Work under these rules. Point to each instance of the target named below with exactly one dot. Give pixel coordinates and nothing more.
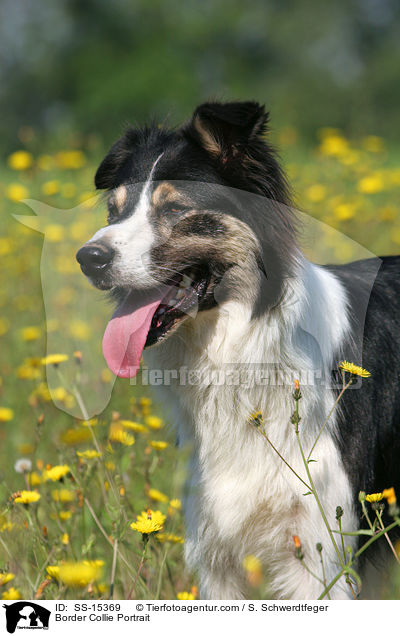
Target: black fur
(369, 424)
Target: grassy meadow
(90, 507)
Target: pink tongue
(126, 333)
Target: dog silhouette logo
(26, 615)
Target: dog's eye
(113, 211)
(174, 209)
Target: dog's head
(196, 216)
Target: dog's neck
(304, 331)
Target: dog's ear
(115, 160)
(226, 129)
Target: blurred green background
(92, 66)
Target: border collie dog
(201, 256)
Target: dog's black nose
(95, 258)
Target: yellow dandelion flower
(16, 192)
(56, 473)
(344, 211)
(153, 422)
(372, 143)
(68, 190)
(51, 187)
(175, 504)
(88, 454)
(79, 574)
(256, 418)
(169, 538)
(27, 497)
(63, 495)
(6, 414)
(53, 571)
(145, 401)
(26, 448)
(70, 159)
(185, 596)
(4, 326)
(65, 515)
(149, 521)
(20, 160)
(354, 369)
(134, 426)
(334, 145)
(54, 358)
(6, 246)
(158, 445)
(65, 538)
(25, 372)
(371, 184)
(11, 595)
(157, 495)
(74, 436)
(106, 376)
(5, 524)
(253, 569)
(34, 479)
(89, 423)
(45, 162)
(390, 495)
(31, 333)
(120, 436)
(6, 577)
(251, 563)
(54, 233)
(79, 330)
(316, 193)
(374, 497)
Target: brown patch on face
(167, 193)
(117, 201)
(120, 197)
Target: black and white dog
(201, 254)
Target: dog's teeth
(186, 281)
(179, 294)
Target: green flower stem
(75, 391)
(345, 387)
(366, 515)
(142, 560)
(113, 567)
(356, 555)
(284, 460)
(323, 573)
(379, 515)
(312, 573)
(342, 539)
(314, 492)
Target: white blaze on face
(132, 240)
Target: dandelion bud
(78, 356)
(296, 392)
(319, 547)
(297, 544)
(389, 495)
(339, 512)
(361, 496)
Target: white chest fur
(241, 498)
